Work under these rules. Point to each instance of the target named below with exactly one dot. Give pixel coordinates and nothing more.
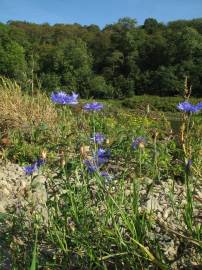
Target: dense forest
(120, 60)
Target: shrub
(99, 87)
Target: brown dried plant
(19, 110)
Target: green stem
(140, 162)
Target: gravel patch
(165, 201)
(21, 191)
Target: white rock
(153, 204)
(166, 213)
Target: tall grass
(19, 110)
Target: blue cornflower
(94, 106)
(98, 138)
(59, 97)
(102, 156)
(64, 99)
(188, 107)
(138, 142)
(199, 106)
(102, 153)
(40, 162)
(29, 170)
(90, 166)
(72, 99)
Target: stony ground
(167, 200)
(164, 201)
(19, 190)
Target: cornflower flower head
(64, 99)
(98, 138)
(188, 107)
(102, 156)
(29, 170)
(91, 167)
(94, 106)
(103, 153)
(72, 99)
(199, 105)
(40, 162)
(99, 158)
(138, 142)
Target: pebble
(166, 213)
(153, 204)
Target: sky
(99, 12)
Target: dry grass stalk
(19, 110)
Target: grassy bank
(163, 104)
(141, 200)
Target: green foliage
(151, 25)
(67, 65)
(165, 82)
(99, 87)
(164, 104)
(12, 60)
(150, 59)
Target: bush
(100, 88)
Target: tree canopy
(120, 60)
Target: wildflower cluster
(102, 155)
(99, 158)
(188, 107)
(65, 99)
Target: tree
(165, 82)
(99, 87)
(153, 52)
(120, 60)
(151, 26)
(12, 60)
(71, 62)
